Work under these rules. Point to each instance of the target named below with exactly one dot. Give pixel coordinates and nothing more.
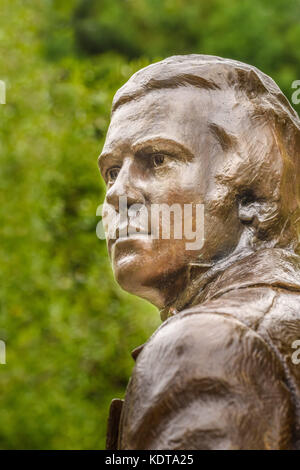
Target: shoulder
(192, 344)
(201, 372)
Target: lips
(128, 232)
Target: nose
(128, 183)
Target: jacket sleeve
(206, 381)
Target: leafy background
(68, 327)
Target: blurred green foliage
(68, 327)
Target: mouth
(128, 233)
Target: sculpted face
(163, 148)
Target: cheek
(167, 256)
(176, 188)
(221, 233)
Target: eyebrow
(103, 157)
(154, 143)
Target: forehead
(182, 114)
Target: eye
(112, 174)
(158, 159)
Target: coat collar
(268, 267)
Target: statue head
(203, 131)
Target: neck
(199, 274)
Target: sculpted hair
(266, 180)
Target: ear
(259, 213)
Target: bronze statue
(218, 373)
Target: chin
(132, 258)
(130, 271)
(142, 267)
(133, 278)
